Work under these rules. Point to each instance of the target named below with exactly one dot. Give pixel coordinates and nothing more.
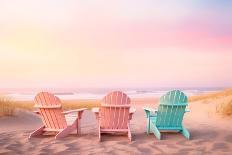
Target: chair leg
(148, 125)
(156, 132)
(78, 126)
(99, 133)
(129, 134)
(64, 132)
(185, 133)
(39, 131)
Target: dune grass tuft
(223, 100)
(224, 106)
(7, 107)
(26, 105)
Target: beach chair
(169, 115)
(114, 114)
(53, 117)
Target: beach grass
(224, 106)
(214, 95)
(222, 99)
(6, 106)
(75, 104)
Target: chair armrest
(75, 110)
(78, 111)
(150, 109)
(36, 111)
(95, 110)
(131, 112)
(150, 112)
(187, 110)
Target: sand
(210, 134)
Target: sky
(126, 43)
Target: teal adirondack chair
(169, 115)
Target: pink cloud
(144, 34)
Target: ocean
(100, 93)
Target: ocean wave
(130, 93)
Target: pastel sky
(126, 43)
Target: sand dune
(210, 134)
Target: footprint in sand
(220, 147)
(228, 138)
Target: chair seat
(154, 119)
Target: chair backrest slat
(52, 117)
(114, 112)
(171, 109)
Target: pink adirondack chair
(114, 114)
(53, 116)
